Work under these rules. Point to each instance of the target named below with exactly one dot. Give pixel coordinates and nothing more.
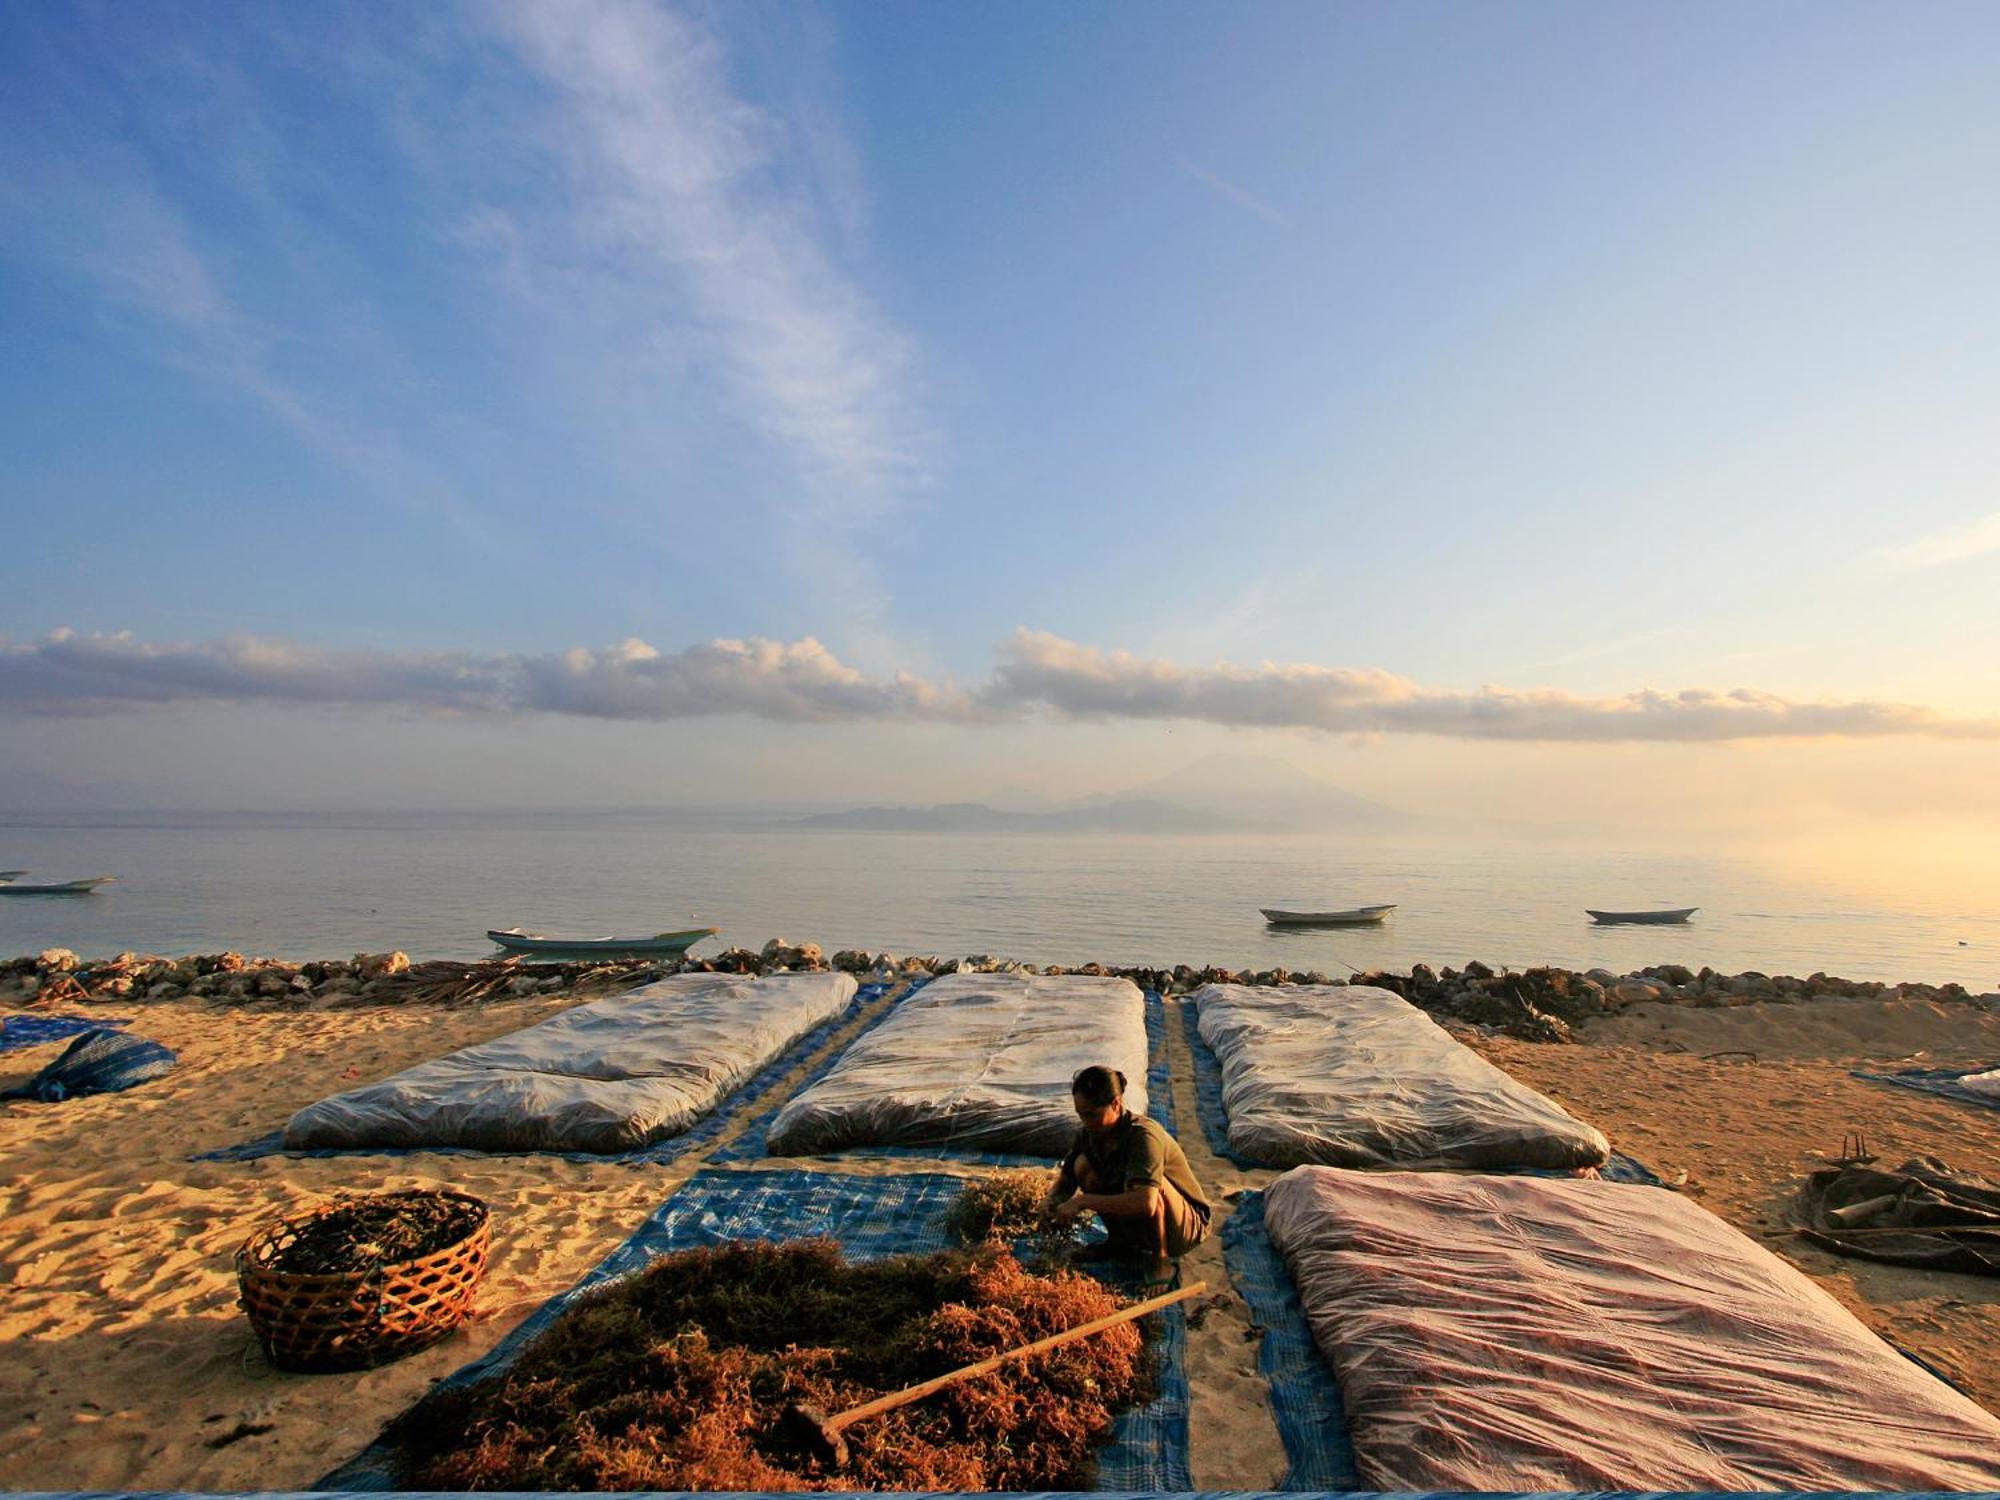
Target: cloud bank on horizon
(68, 674)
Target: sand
(132, 1367)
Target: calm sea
(330, 886)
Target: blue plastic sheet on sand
(1215, 1124)
(1305, 1398)
(97, 1062)
(1943, 1082)
(658, 1153)
(754, 1143)
(17, 1032)
(870, 1217)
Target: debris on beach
(679, 1378)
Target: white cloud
(65, 673)
(1038, 670)
(1981, 537)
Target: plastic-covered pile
(610, 1076)
(1354, 1076)
(98, 1062)
(1562, 1334)
(982, 1061)
(1987, 1083)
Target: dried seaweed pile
(384, 1230)
(677, 1379)
(1007, 1206)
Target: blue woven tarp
(870, 1217)
(17, 1032)
(1305, 1398)
(754, 1144)
(1943, 1082)
(660, 1152)
(97, 1062)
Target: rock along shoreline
(1539, 1004)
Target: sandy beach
(132, 1366)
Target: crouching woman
(1127, 1170)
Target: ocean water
(333, 885)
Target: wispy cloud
(710, 227)
(65, 673)
(1976, 540)
(1242, 197)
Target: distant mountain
(1223, 794)
(1122, 816)
(1257, 791)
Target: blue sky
(1577, 350)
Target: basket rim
(246, 1267)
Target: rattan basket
(353, 1321)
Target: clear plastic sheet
(1354, 1076)
(976, 1060)
(606, 1077)
(1987, 1083)
(1545, 1334)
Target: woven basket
(355, 1320)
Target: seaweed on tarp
(1003, 1207)
(678, 1379)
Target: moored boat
(6, 875)
(1651, 918)
(1359, 916)
(55, 888)
(514, 940)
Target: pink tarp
(1520, 1333)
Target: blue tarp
(1305, 1398)
(98, 1062)
(1941, 1081)
(658, 1153)
(17, 1032)
(870, 1217)
(754, 1143)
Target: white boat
(56, 888)
(1359, 916)
(1649, 918)
(7, 875)
(514, 940)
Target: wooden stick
(894, 1399)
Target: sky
(1558, 411)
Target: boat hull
(1641, 918)
(59, 888)
(665, 944)
(1361, 916)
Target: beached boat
(1359, 916)
(514, 940)
(1654, 918)
(55, 888)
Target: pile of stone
(1539, 1004)
(57, 977)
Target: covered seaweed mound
(678, 1378)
